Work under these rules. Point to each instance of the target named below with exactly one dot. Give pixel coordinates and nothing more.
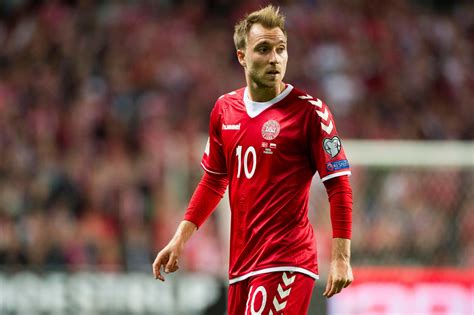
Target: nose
(273, 57)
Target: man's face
(265, 56)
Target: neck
(264, 94)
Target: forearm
(168, 256)
(184, 231)
(205, 198)
(207, 195)
(340, 273)
(340, 199)
(341, 249)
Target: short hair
(268, 17)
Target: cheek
(283, 61)
(255, 63)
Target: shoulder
(318, 113)
(226, 101)
(236, 95)
(307, 101)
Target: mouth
(274, 72)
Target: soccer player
(266, 141)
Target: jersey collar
(255, 108)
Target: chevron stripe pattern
(305, 97)
(322, 111)
(327, 128)
(317, 103)
(283, 292)
(324, 115)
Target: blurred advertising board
(95, 293)
(414, 291)
(375, 291)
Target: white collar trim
(255, 108)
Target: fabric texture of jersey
(270, 152)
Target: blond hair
(268, 17)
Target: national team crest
(270, 130)
(332, 146)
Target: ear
(241, 57)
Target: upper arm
(327, 153)
(213, 160)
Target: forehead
(258, 33)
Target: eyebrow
(266, 42)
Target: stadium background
(104, 108)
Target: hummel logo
(231, 127)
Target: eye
(262, 49)
(281, 49)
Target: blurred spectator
(103, 105)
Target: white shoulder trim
(230, 93)
(209, 171)
(274, 269)
(255, 108)
(348, 173)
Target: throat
(254, 108)
(265, 94)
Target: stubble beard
(261, 83)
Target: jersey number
(250, 151)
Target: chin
(274, 83)
(271, 82)
(268, 85)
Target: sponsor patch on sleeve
(337, 165)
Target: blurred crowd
(104, 105)
(405, 216)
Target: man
(266, 141)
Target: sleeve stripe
(209, 171)
(348, 173)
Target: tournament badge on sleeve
(332, 146)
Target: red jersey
(270, 151)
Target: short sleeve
(327, 153)
(213, 160)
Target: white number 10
(246, 158)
